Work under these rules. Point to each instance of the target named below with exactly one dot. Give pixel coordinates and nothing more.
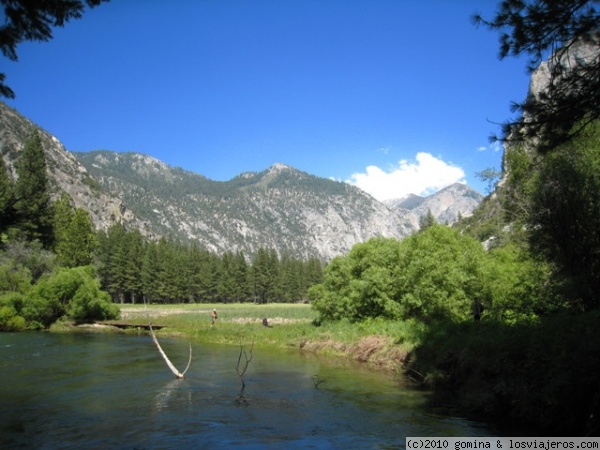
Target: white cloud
(495, 146)
(424, 176)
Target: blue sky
(395, 96)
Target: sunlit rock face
(279, 208)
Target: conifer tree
(196, 265)
(63, 214)
(149, 275)
(242, 278)
(426, 221)
(115, 262)
(132, 270)
(76, 245)
(33, 206)
(263, 280)
(7, 198)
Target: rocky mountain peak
(446, 205)
(281, 207)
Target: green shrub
(72, 293)
(14, 277)
(90, 303)
(437, 273)
(10, 309)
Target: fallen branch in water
(166, 358)
(176, 372)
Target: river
(104, 390)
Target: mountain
(280, 207)
(446, 205)
(65, 172)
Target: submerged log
(125, 325)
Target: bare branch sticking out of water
(241, 368)
(317, 381)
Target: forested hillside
(281, 207)
(55, 267)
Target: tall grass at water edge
(290, 325)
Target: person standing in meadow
(213, 317)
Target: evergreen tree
(63, 214)
(33, 206)
(7, 198)
(197, 265)
(265, 268)
(78, 246)
(225, 287)
(134, 250)
(149, 275)
(74, 234)
(426, 221)
(314, 272)
(116, 261)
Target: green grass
(291, 326)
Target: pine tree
(242, 278)
(134, 244)
(33, 206)
(63, 214)
(7, 198)
(66, 245)
(76, 245)
(116, 261)
(149, 273)
(426, 221)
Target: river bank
(540, 376)
(380, 344)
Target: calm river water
(92, 391)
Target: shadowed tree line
(132, 268)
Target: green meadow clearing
(382, 343)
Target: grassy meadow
(382, 343)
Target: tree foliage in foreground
(565, 215)
(27, 20)
(572, 100)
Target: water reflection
(114, 391)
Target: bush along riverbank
(541, 376)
